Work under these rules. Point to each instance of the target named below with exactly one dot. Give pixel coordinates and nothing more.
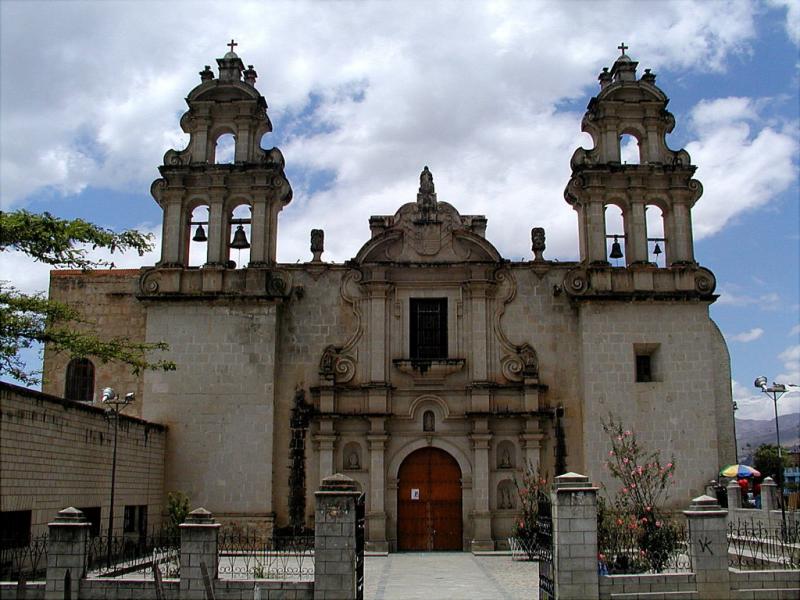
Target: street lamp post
(775, 391)
(115, 406)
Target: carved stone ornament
(530, 363)
(538, 243)
(335, 366)
(317, 244)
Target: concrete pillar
(574, 513)
(734, 495)
(481, 516)
(708, 548)
(769, 495)
(335, 539)
(66, 551)
(376, 515)
(199, 537)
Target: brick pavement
(449, 576)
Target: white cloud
(747, 336)
(743, 163)
(795, 330)
(791, 365)
(470, 90)
(753, 404)
(792, 17)
(731, 295)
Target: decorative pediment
(427, 231)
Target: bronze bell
(200, 235)
(657, 250)
(616, 249)
(240, 239)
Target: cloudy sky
(490, 95)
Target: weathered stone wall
(219, 404)
(675, 414)
(105, 299)
(56, 453)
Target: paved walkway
(449, 576)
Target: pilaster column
(708, 548)
(481, 516)
(171, 231)
(377, 329)
(216, 253)
(574, 514)
(596, 231)
(326, 442)
(636, 234)
(478, 330)
(259, 231)
(376, 512)
(531, 442)
(66, 552)
(680, 243)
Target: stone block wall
(677, 412)
(56, 453)
(106, 300)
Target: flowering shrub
(531, 491)
(634, 532)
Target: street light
(775, 391)
(115, 406)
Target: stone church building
(428, 367)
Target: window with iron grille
(80, 380)
(428, 328)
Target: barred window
(428, 328)
(80, 380)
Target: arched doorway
(429, 501)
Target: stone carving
(352, 461)
(327, 362)
(336, 366)
(428, 421)
(538, 243)
(530, 363)
(317, 244)
(505, 499)
(505, 459)
(426, 198)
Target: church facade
(428, 368)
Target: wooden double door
(429, 502)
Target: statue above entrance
(427, 231)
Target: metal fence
(253, 556)
(133, 557)
(754, 546)
(28, 561)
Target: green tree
(766, 460)
(30, 319)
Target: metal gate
(360, 522)
(544, 549)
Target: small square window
(646, 365)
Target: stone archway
(429, 501)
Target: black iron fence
(28, 561)
(246, 555)
(134, 556)
(754, 546)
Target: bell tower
(192, 177)
(627, 106)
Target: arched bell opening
(656, 240)
(224, 149)
(630, 150)
(615, 235)
(197, 238)
(239, 236)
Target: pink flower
(669, 465)
(633, 485)
(628, 433)
(611, 453)
(624, 490)
(619, 521)
(625, 461)
(658, 523)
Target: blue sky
(490, 95)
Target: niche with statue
(505, 455)
(351, 457)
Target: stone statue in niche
(317, 244)
(505, 501)
(426, 198)
(326, 363)
(353, 463)
(505, 459)
(428, 421)
(530, 363)
(537, 243)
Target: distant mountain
(755, 432)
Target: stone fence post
(769, 495)
(575, 538)
(335, 539)
(734, 495)
(66, 551)
(708, 548)
(199, 538)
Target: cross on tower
(232, 44)
(622, 47)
